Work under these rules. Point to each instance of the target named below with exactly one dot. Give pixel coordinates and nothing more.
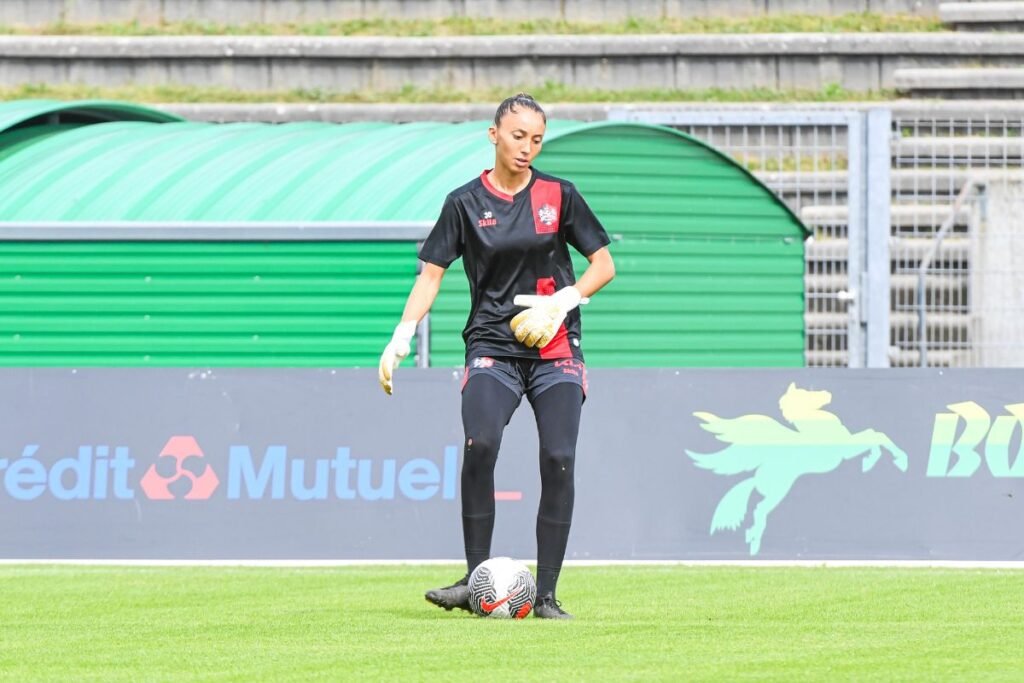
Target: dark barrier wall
(672, 464)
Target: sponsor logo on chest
(487, 220)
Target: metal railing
(831, 167)
(877, 186)
(955, 297)
(922, 271)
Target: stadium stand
(855, 62)
(978, 16)
(974, 81)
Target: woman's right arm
(421, 298)
(423, 293)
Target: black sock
(552, 538)
(477, 531)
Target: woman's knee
(481, 449)
(557, 460)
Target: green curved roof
(21, 112)
(710, 263)
(122, 167)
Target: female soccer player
(512, 227)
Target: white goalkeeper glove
(396, 350)
(538, 324)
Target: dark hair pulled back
(518, 100)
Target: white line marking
(908, 564)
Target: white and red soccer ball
(502, 588)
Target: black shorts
(530, 376)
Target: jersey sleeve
(445, 242)
(582, 228)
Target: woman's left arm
(599, 273)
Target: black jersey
(514, 245)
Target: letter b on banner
(959, 457)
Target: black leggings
(487, 407)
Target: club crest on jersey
(547, 214)
(483, 362)
(488, 220)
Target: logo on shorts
(488, 220)
(547, 214)
(483, 362)
(571, 366)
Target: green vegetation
(546, 93)
(808, 163)
(664, 623)
(460, 26)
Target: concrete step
(905, 250)
(937, 358)
(991, 115)
(821, 358)
(806, 182)
(898, 358)
(984, 151)
(961, 83)
(928, 217)
(902, 284)
(983, 16)
(941, 184)
(910, 184)
(857, 62)
(906, 321)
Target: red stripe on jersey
(558, 347)
(546, 201)
(492, 189)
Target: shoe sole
(441, 602)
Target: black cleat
(450, 597)
(549, 608)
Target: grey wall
(41, 12)
(401, 113)
(81, 474)
(782, 61)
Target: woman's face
(517, 139)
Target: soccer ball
(502, 588)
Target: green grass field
(633, 623)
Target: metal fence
(915, 215)
(820, 163)
(957, 297)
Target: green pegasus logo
(777, 455)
